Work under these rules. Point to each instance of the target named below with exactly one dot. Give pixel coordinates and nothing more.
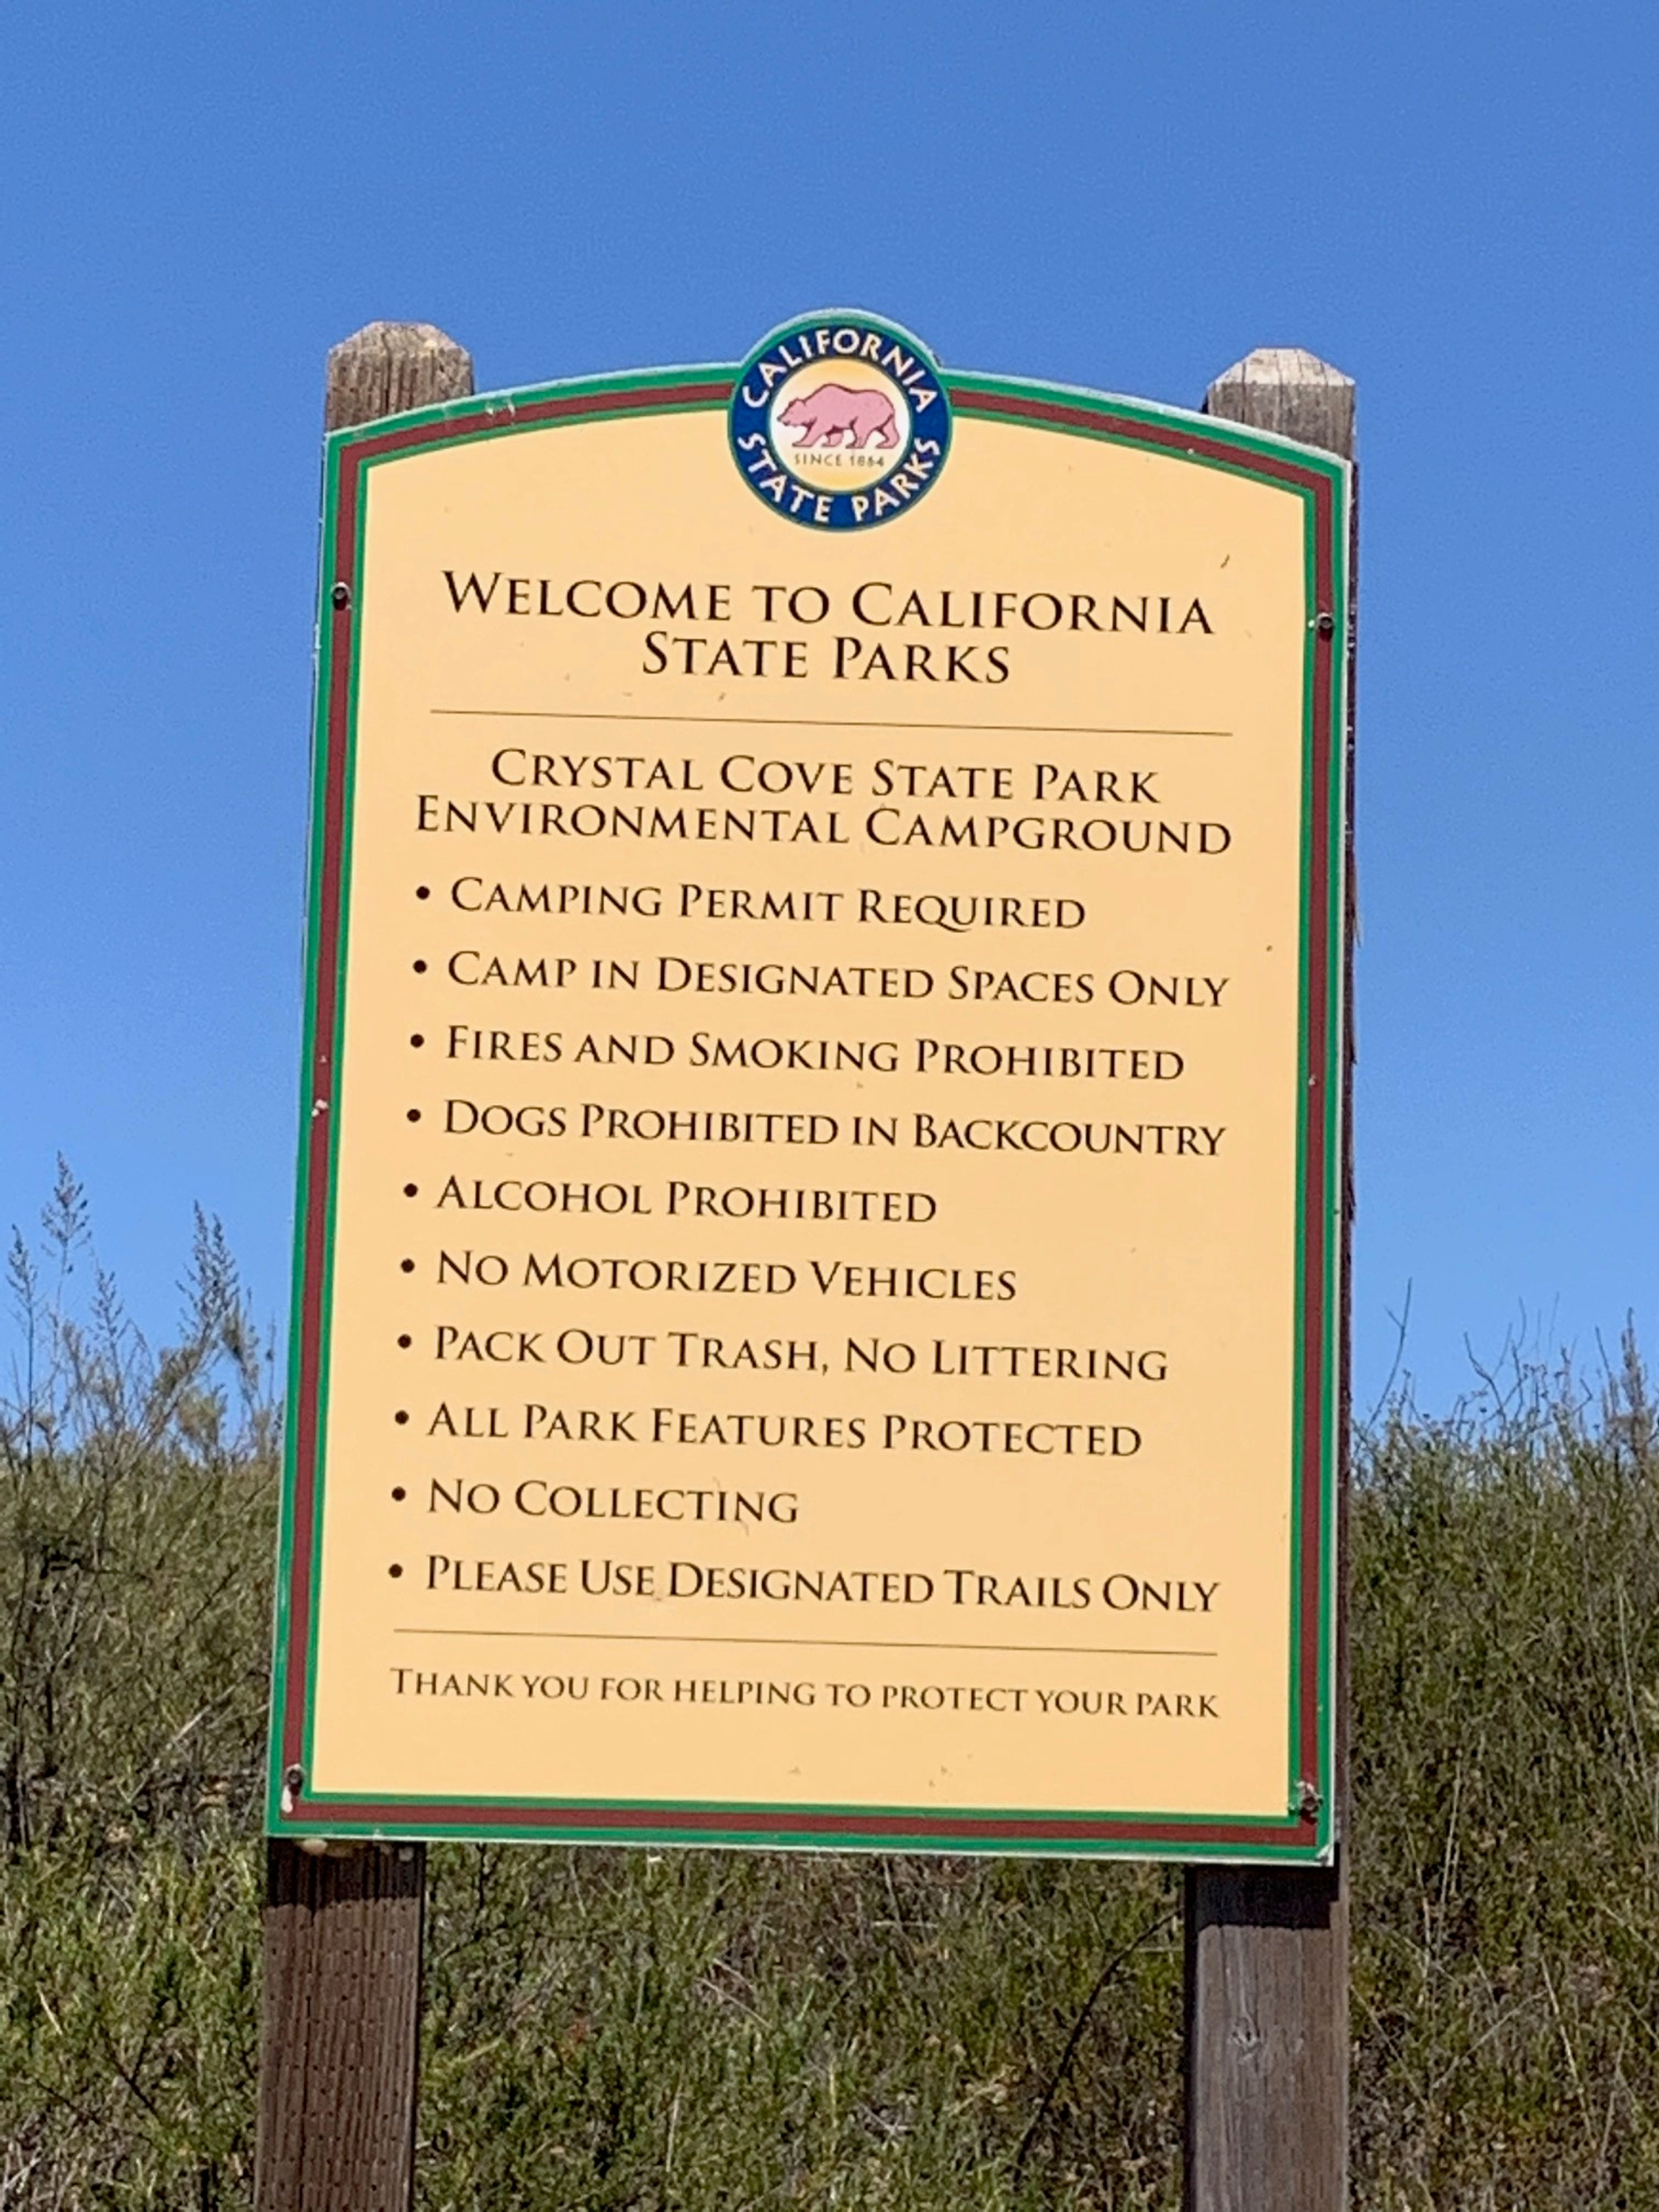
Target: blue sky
(1455, 204)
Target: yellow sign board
(817, 1296)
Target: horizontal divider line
(818, 1643)
(820, 722)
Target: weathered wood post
(1267, 2026)
(342, 1925)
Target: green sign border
(1322, 482)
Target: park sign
(818, 1275)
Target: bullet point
(412, 1190)
(403, 1343)
(408, 1266)
(420, 967)
(413, 1113)
(399, 1494)
(394, 1571)
(417, 1041)
(400, 1417)
(422, 891)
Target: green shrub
(632, 2031)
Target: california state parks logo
(840, 421)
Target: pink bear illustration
(833, 414)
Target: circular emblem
(840, 421)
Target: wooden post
(341, 2027)
(340, 2035)
(1267, 2000)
